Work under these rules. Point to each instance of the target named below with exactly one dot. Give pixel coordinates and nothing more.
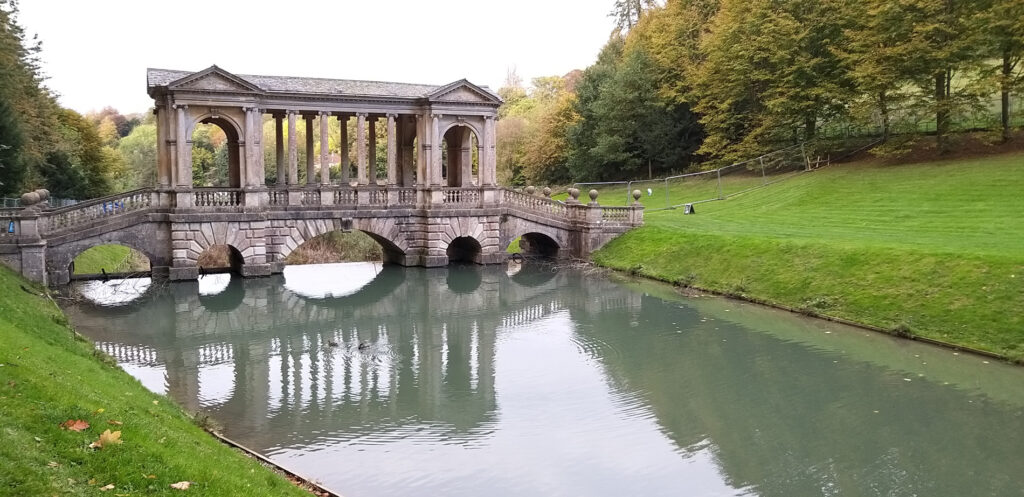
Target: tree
(628, 12)
(28, 112)
(139, 152)
(1002, 25)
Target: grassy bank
(929, 249)
(48, 377)
(111, 258)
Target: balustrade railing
(310, 197)
(534, 203)
(379, 197)
(406, 196)
(84, 212)
(461, 197)
(217, 197)
(615, 213)
(345, 196)
(8, 226)
(278, 197)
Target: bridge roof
(313, 86)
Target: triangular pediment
(213, 78)
(464, 92)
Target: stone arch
(138, 237)
(553, 242)
(458, 138)
(537, 244)
(464, 249)
(384, 231)
(235, 234)
(234, 132)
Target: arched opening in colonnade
(215, 153)
(460, 161)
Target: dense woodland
(680, 85)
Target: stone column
(184, 143)
(325, 165)
(310, 167)
(293, 151)
(392, 151)
(488, 165)
(408, 136)
(163, 165)
(282, 169)
(465, 159)
(435, 150)
(372, 149)
(363, 178)
(346, 164)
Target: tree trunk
(1005, 90)
(810, 127)
(941, 112)
(883, 107)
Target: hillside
(933, 249)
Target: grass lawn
(936, 249)
(48, 376)
(112, 258)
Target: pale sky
(96, 52)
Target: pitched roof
(321, 86)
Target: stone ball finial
(574, 193)
(546, 191)
(30, 198)
(636, 195)
(44, 194)
(530, 190)
(593, 195)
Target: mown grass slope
(48, 376)
(936, 249)
(110, 258)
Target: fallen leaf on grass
(99, 411)
(107, 487)
(181, 485)
(106, 438)
(115, 423)
(151, 477)
(74, 425)
(53, 464)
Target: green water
(472, 382)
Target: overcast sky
(96, 52)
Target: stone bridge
(432, 199)
(465, 224)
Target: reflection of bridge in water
(431, 337)
(773, 412)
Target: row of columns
(244, 127)
(366, 148)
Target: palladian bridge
(436, 200)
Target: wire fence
(706, 186)
(55, 203)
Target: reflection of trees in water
(786, 421)
(780, 419)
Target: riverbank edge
(301, 483)
(683, 289)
